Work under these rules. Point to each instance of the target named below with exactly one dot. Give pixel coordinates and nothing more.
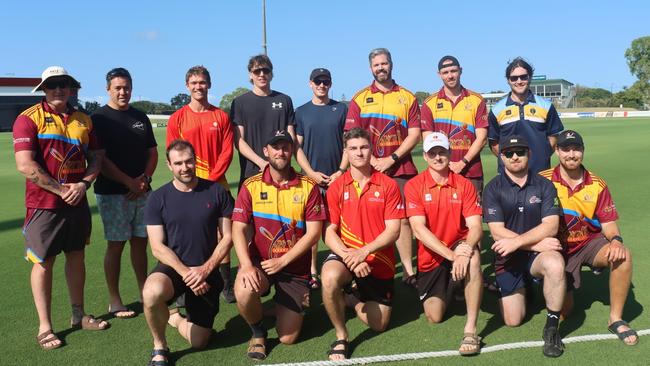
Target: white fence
(609, 114)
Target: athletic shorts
(515, 275)
(437, 282)
(48, 232)
(401, 182)
(584, 256)
(122, 218)
(201, 310)
(291, 291)
(370, 288)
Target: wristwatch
(617, 237)
(394, 157)
(147, 178)
(86, 183)
(464, 161)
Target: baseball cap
(320, 72)
(512, 141)
(280, 135)
(54, 71)
(454, 62)
(569, 137)
(435, 139)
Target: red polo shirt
(445, 208)
(360, 217)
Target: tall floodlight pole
(264, 26)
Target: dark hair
(118, 72)
(519, 62)
(198, 70)
(355, 133)
(259, 60)
(180, 145)
(380, 51)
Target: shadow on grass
(18, 223)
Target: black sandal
(159, 352)
(613, 328)
(343, 351)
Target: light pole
(264, 26)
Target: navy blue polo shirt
(535, 119)
(519, 208)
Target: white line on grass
(422, 355)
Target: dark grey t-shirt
(261, 117)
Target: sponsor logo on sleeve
(238, 210)
(491, 211)
(22, 140)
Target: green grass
(616, 150)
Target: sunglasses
(264, 70)
(326, 82)
(510, 153)
(522, 77)
(53, 84)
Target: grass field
(616, 150)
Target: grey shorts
(584, 256)
(122, 218)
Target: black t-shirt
(261, 117)
(127, 137)
(189, 218)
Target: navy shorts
(515, 275)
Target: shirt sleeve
(605, 207)
(481, 120)
(413, 197)
(471, 205)
(236, 114)
(414, 115)
(243, 211)
(553, 122)
(224, 156)
(153, 209)
(426, 117)
(291, 114)
(93, 141)
(314, 208)
(394, 208)
(300, 131)
(550, 201)
(492, 210)
(493, 127)
(172, 128)
(353, 119)
(225, 199)
(25, 134)
(333, 200)
(151, 139)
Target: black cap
(454, 62)
(569, 137)
(320, 72)
(281, 135)
(512, 141)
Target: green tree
(421, 96)
(153, 107)
(632, 97)
(179, 101)
(91, 106)
(227, 99)
(638, 58)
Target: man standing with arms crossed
(461, 115)
(123, 185)
(183, 218)
(365, 209)
(522, 211)
(594, 238)
(57, 152)
(319, 129)
(391, 115)
(209, 131)
(445, 215)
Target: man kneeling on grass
(445, 215)
(593, 235)
(365, 211)
(182, 219)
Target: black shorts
(369, 287)
(201, 310)
(437, 282)
(515, 275)
(584, 256)
(291, 291)
(48, 232)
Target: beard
(279, 164)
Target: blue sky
(583, 42)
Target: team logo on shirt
(376, 197)
(376, 194)
(346, 196)
(401, 100)
(139, 125)
(297, 198)
(333, 109)
(521, 208)
(264, 195)
(508, 112)
(277, 105)
(49, 119)
(534, 199)
(468, 106)
(427, 197)
(317, 209)
(369, 100)
(587, 197)
(532, 111)
(440, 105)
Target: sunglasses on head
(264, 70)
(326, 82)
(522, 77)
(520, 152)
(53, 84)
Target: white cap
(53, 71)
(435, 139)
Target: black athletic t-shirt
(127, 136)
(261, 118)
(189, 218)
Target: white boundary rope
(422, 355)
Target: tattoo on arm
(93, 159)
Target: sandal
(256, 349)
(613, 328)
(122, 313)
(470, 339)
(89, 322)
(48, 337)
(159, 352)
(344, 351)
(314, 283)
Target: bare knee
(152, 293)
(512, 321)
(434, 318)
(379, 326)
(288, 338)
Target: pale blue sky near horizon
(583, 42)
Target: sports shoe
(553, 346)
(228, 294)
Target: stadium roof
(550, 81)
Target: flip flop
(47, 337)
(123, 313)
(89, 322)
